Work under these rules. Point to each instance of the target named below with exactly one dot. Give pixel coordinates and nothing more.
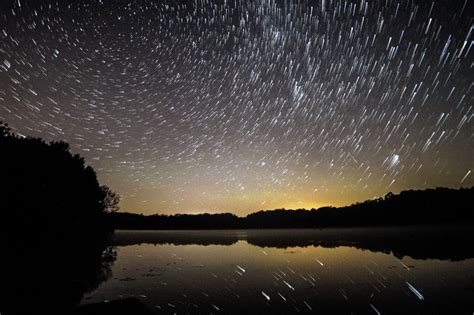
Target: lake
(362, 271)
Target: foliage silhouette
(110, 199)
(53, 229)
(46, 188)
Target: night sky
(237, 106)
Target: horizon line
(293, 209)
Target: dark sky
(191, 106)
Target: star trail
(214, 106)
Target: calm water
(405, 271)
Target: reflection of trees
(53, 278)
(100, 270)
(422, 242)
(437, 242)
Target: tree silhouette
(110, 199)
(44, 187)
(4, 130)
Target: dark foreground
(117, 307)
(428, 270)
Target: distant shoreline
(341, 227)
(439, 206)
(324, 228)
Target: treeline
(412, 207)
(132, 221)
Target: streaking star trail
(191, 106)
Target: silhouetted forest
(53, 231)
(413, 207)
(47, 191)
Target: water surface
(361, 271)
